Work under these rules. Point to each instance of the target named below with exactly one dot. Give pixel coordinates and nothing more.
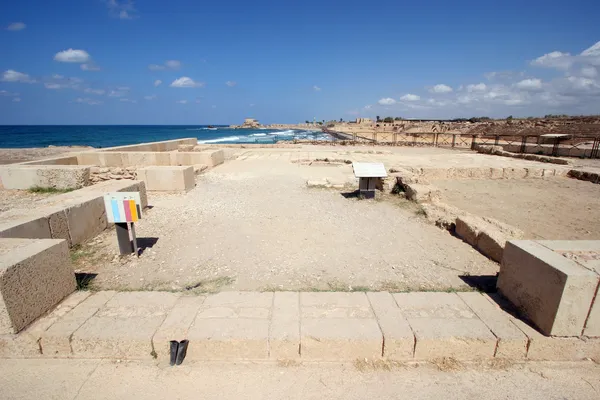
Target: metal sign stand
(126, 244)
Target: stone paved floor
(308, 326)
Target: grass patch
(84, 280)
(48, 190)
(213, 285)
(78, 254)
(448, 364)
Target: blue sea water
(114, 135)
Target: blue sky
(192, 62)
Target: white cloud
(95, 91)
(128, 101)
(368, 106)
(529, 84)
(173, 64)
(123, 10)
(316, 88)
(89, 67)
(169, 64)
(181, 101)
(441, 88)
(251, 104)
(16, 26)
(117, 93)
(555, 59)
(157, 82)
(186, 82)
(14, 76)
(592, 51)
(7, 93)
(52, 85)
(73, 56)
(231, 83)
(17, 100)
(387, 101)
(480, 87)
(410, 97)
(151, 97)
(87, 100)
(56, 76)
(589, 72)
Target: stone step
(288, 325)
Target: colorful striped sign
(123, 207)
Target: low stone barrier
(75, 216)
(21, 176)
(294, 326)
(554, 284)
(167, 178)
(35, 275)
(499, 151)
(589, 176)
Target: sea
(24, 136)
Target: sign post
(124, 209)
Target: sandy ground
(254, 225)
(96, 379)
(9, 156)
(17, 198)
(559, 208)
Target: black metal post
(125, 246)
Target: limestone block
(398, 338)
(445, 326)
(59, 225)
(31, 227)
(512, 342)
(468, 228)
(20, 176)
(491, 242)
(514, 173)
(284, 331)
(86, 219)
(124, 326)
(421, 193)
(340, 338)
(55, 341)
(534, 172)
(434, 173)
(555, 293)
(496, 173)
(229, 339)
(323, 183)
(34, 276)
(207, 157)
(172, 178)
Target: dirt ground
(559, 208)
(106, 379)
(13, 198)
(254, 225)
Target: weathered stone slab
(468, 228)
(512, 343)
(35, 275)
(421, 193)
(555, 293)
(56, 340)
(398, 337)
(229, 339)
(168, 178)
(124, 327)
(284, 332)
(445, 326)
(177, 324)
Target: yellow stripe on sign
(134, 214)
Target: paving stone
(512, 342)
(284, 332)
(239, 299)
(228, 339)
(398, 337)
(340, 338)
(124, 327)
(339, 299)
(445, 326)
(177, 324)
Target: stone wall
(101, 174)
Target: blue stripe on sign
(115, 210)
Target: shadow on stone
(483, 283)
